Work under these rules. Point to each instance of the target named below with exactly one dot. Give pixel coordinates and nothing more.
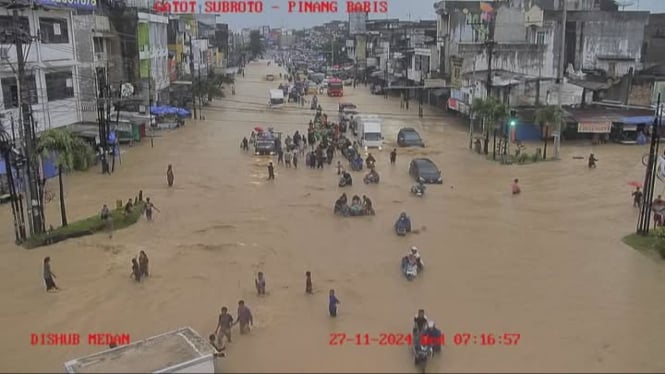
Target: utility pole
(490, 56)
(422, 92)
(562, 60)
(33, 185)
(643, 222)
(200, 86)
(191, 69)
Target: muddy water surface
(548, 264)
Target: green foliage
(73, 153)
(550, 115)
(212, 85)
(336, 46)
(491, 110)
(84, 227)
(256, 46)
(523, 158)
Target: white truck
(276, 98)
(369, 129)
(179, 351)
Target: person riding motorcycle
(434, 338)
(370, 161)
(372, 176)
(345, 179)
(419, 322)
(357, 163)
(418, 188)
(414, 255)
(403, 222)
(340, 204)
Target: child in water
(136, 270)
(260, 283)
(333, 301)
(516, 187)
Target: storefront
(459, 102)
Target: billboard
(357, 23)
(74, 4)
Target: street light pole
(420, 99)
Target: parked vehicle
(425, 171)
(408, 137)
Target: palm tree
(550, 116)
(72, 153)
(212, 86)
(493, 113)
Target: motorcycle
(402, 228)
(345, 181)
(371, 178)
(421, 354)
(418, 191)
(410, 269)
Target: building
(144, 50)
(600, 40)
(52, 81)
(100, 62)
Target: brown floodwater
(547, 264)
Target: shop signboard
(594, 127)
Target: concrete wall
(654, 39)
(615, 34)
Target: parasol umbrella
(258, 129)
(635, 184)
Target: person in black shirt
(637, 197)
(419, 321)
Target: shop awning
(439, 92)
(377, 73)
(637, 120)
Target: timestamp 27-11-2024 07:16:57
(399, 339)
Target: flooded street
(547, 264)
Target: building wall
(615, 34)
(153, 54)
(654, 41)
(45, 57)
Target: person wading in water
(169, 175)
(48, 275)
(149, 206)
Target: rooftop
(145, 356)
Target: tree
(493, 113)
(336, 48)
(550, 116)
(255, 43)
(212, 86)
(72, 153)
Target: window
(540, 38)
(7, 23)
(53, 30)
(59, 85)
(10, 91)
(98, 44)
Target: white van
(369, 128)
(276, 98)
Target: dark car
(423, 170)
(408, 137)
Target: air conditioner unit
(4, 53)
